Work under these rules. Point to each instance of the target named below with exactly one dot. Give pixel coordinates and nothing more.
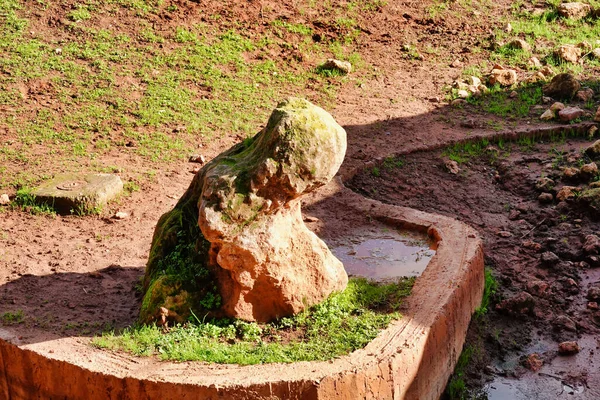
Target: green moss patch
(344, 322)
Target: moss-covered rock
(235, 243)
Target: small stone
(456, 63)
(533, 362)
(547, 71)
(562, 86)
(557, 106)
(593, 149)
(343, 66)
(513, 94)
(546, 99)
(520, 44)
(588, 171)
(548, 115)
(473, 81)
(585, 95)
(596, 53)
(508, 28)
(570, 173)
(545, 198)
(562, 322)
(537, 288)
(514, 215)
(535, 62)
(121, 215)
(503, 77)
(521, 303)
(592, 305)
(58, 50)
(597, 115)
(566, 192)
(549, 259)
(463, 94)
(591, 244)
(197, 158)
(505, 234)
(575, 10)
(458, 103)
(4, 200)
(570, 113)
(568, 53)
(593, 293)
(452, 167)
(530, 244)
(568, 348)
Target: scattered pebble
(197, 158)
(568, 348)
(4, 199)
(121, 215)
(343, 66)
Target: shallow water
(384, 253)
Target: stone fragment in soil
(197, 158)
(568, 53)
(565, 193)
(342, 66)
(585, 95)
(562, 86)
(545, 198)
(570, 113)
(574, 10)
(503, 77)
(121, 215)
(588, 171)
(544, 183)
(570, 173)
(568, 348)
(4, 199)
(519, 304)
(591, 244)
(593, 293)
(593, 150)
(533, 362)
(452, 167)
(564, 323)
(549, 260)
(547, 115)
(520, 44)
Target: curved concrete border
(412, 359)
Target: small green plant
(344, 322)
(131, 186)
(26, 200)
(489, 291)
(457, 388)
(376, 172)
(15, 317)
(392, 162)
(81, 13)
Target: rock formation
(235, 244)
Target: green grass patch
(26, 200)
(489, 291)
(344, 322)
(12, 317)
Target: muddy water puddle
(561, 377)
(383, 253)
